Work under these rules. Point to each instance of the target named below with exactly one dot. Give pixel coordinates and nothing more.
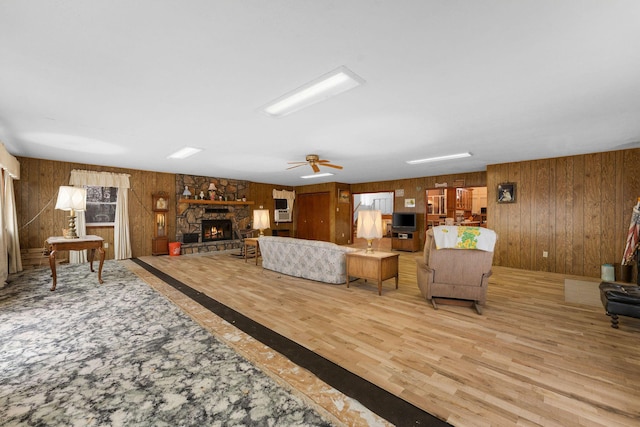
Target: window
(101, 206)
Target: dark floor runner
(378, 400)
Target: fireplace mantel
(214, 202)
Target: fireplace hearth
(216, 229)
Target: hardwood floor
(529, 359)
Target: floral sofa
(309, 259)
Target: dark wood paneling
(262, 195)
(576, 208)
(37, 191)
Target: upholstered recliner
(462, 273)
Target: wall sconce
(369, 227)
(72, 199)
(261, 220)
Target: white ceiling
(125, 83)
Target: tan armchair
(454, 273)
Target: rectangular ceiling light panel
(316, 175)
(331, 84)
(184, 152)
(439, 158)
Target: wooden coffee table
(378, 266)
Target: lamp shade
(261, 219)
(369, 225)
(71, 198)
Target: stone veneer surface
(189, 216)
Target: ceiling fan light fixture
(439, 158)
(324, 87)
(184, 152)
(316, 175)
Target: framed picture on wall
(507, 192)
(344, 196)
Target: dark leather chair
(619, 300)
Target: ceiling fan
(314, 161)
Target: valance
(285, 194)
(99, 179)
(9, 163)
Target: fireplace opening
(216, 229)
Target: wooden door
(313, 216)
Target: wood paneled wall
(262, 195)
(575, 208)
(37, 190)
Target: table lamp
(261, 220)
(369, 227)
(72, 199)
(212, 191)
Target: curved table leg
(91, 255)
(52, 264)
(101, 251)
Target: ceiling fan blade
(332, 166)
(296, 163)
(297, 166)
(315, 168)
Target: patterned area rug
(121, 354)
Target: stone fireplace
(216, 229)
(210, 223)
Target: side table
(378, 266)
(59, 243)
(251, 241)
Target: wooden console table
(60, 243)
(378, 266)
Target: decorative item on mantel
(186, 193)
(201, 195)
(212, 191)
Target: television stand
(405, 240)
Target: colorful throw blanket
(461, 237)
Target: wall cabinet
(160, 207)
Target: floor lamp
(369, 227)
(72, 199)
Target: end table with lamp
(73, 199)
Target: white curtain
(122, 242)
(11, 226)
(10, 261)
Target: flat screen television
(405, 221)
